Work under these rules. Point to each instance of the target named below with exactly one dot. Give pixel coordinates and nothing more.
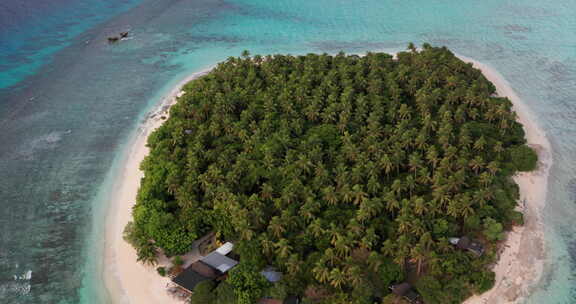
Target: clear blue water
(69, 104)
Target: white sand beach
(521, 258)
(129, 281)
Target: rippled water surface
(69, 103)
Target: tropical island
(347, 174)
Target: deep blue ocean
(70, 102)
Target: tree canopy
(346, 173)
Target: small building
(271, 274)
(194, 274)
(220, 262)
(288, 300)
(406, 291)
(211, 267)
(466, 243)
(225, 249)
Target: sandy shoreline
(519, 268)
(128, 281)
(521, 260)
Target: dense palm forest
(346, 173)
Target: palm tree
(355, 227)
(386, 164)
(410, 184)
(480, 144)
(316, 228)
(330, 195)
(355, 276)
(358, 194)
(450, 152)
(342, 246)
(417, 227)
(493, 167)
(424, 176)
(388, 248)
(453, 208)
(398, 158)
(374, 206)
(283, 248)
(337, 278)
(485, 179)
(369, 239)
(147, 254)
(465, 140)
(402, 252)
(294, 264)
(307, 210)
(428, 123)
(346, 193)
(414, 162)
(421, 142)
(276, 226)
(419, 206)
(267, 191)
(483, 195)
(392, 203)
(330, 255)
(321, 272)
(432, 157)
(443, 245)
(498, 147)
(473, 113)
(404, 223)
(398, 187)
(245, 232)
(374, 261)
(466, 209)
(404, 112)
(373, 185)
(267, 244)
(426, 241)
(476, 164)
(418, 254)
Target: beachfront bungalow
(211, 267)
(406, 291)
(466, 243)
(194, 274)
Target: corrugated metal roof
(190, 277)
(220, 262)
(225, 249)
(271, 274)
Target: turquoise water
(32, 31)
(70, 102)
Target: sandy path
(522, 256)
